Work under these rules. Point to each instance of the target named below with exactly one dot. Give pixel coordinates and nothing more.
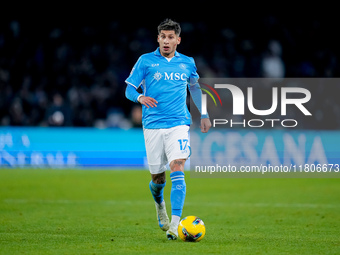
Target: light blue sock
(157, 191)
(178, 191)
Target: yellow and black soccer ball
(191, 229)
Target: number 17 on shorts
(183, 144)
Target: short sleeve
(137, 74)
(193, 79)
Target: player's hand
(148, 101)
(205, 125)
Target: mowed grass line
(50, 211)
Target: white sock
(175, 219)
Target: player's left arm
(196, 95)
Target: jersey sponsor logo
(175, 76)
(157, 76)
(170, 76)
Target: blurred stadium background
(62, 71)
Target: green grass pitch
(112, 212)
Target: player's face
(168, 42)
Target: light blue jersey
(166, 81)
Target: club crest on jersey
(182, 66)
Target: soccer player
(164, 76)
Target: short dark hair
(169, 24)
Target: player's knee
(158, 178)
(177, 165)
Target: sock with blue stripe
(157, 191)
(178, 191)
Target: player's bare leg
(156, 187)
(158, 178)
(177, 196)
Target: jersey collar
(158, 53)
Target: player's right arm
(132, 94)
(134, 80)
